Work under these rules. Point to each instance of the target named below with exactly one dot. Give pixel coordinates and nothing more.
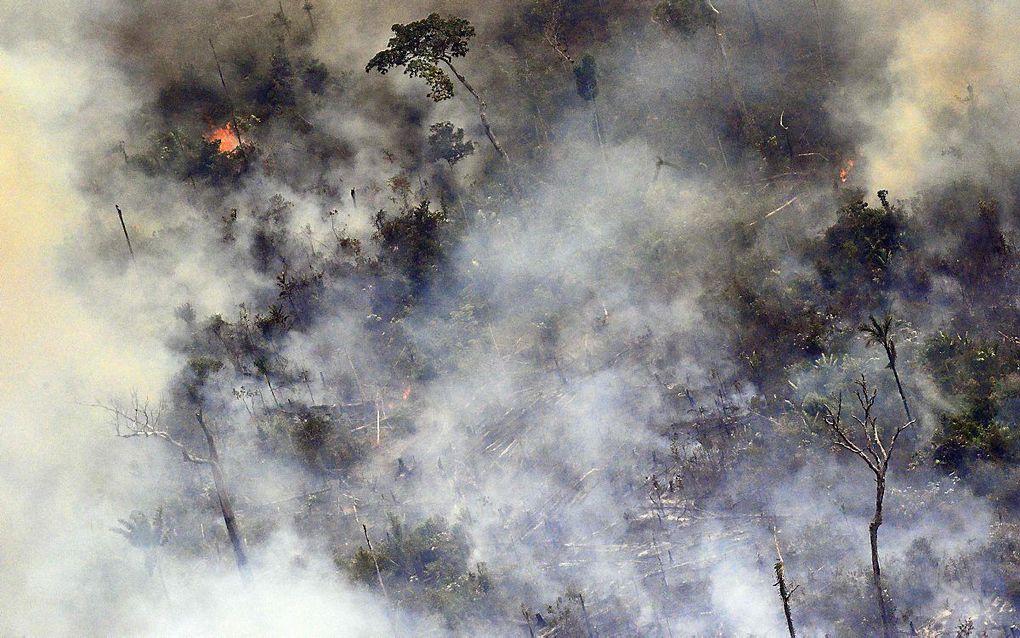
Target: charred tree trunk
(785, 593)
(123, 226)
(818, 38)
(308, 10)
(752, 11)
(899, 386)
(226, 506)
(375, 560)
(876, 454)
(876, 568)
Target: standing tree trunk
(587, 620)
(481, 113)
(899, 386)
(598, 135)
(876, 569)
(123, 226)
(226, 506)
(141, 421)
(818, 37)
(880, 332)
(785, 593)
(876, 454)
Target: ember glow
(642, 366)
(844, 173)
(225, 136)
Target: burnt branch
(143, 420)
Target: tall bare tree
(145, 422)
(869, 442)
(785, 591)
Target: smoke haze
(573, 394)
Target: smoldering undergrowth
(580, 392)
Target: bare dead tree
(869, 445)
(552, 32)
(144, 421)
(785, 593)
(123, 226)
(375, 560)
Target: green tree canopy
(421, 46)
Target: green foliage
(586, 77)
(856, 252)
(684, 16)
(965, 437)
(427, 566)
(141, 532)
(318, 437)
(274, 323)
(413, 241)
(774, 322)
(880, 333)
(202, 367)
(564, 617)
(447, 143)
(965, 366)
(419, 47)
(196, 375)
(982, 376)
(984, 256)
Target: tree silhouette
(421, 47)
(870, 447)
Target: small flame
(407, 394)
(226, 137)
(844, 173)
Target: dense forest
(544, 318)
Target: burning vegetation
(225, 137)
(521, 346)
(845, 172)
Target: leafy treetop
(421, 46)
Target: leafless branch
(144, 420)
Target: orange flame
(407, 394)
(844, 173)
(226, 137)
